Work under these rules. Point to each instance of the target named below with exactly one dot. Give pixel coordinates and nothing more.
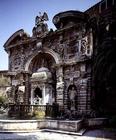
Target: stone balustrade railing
(30, 111)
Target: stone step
(79, 133)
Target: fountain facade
(57, 67)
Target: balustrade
(26, 111)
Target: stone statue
(83, 46)
(37, 100)
(40, 28)
(72, 95)
(41, 18)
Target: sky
(20, 14)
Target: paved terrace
(96, 134)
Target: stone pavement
(89, 135)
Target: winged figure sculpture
(41, 18)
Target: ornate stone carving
(40, 28)
(83, 46)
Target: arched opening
(41, 60)
(43, 71)
(72, 97)
(50, 52)
(38, 92)
(37, 96)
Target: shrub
(39, 114)
(3, 105)
(4, 81)
(2, 100)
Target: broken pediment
(17, 37)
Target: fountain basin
(11, 125)
(35, 125)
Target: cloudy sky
(20, 14)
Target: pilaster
(60, 86)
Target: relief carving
(83, 46)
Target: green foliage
(2, 99)
(4, 81)
(3, 105)
(39, 114)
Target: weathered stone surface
(96, 122)
(31, 125)
(75, 54)
(8, 125)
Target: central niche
(42, 60)
(37, 96)
(43, 79)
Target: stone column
(59, 86)
(89, 89)
(43, 94)
(27, 88)
(31, 98)
(83, 95)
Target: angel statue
(41, 18)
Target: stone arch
(53, 54)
